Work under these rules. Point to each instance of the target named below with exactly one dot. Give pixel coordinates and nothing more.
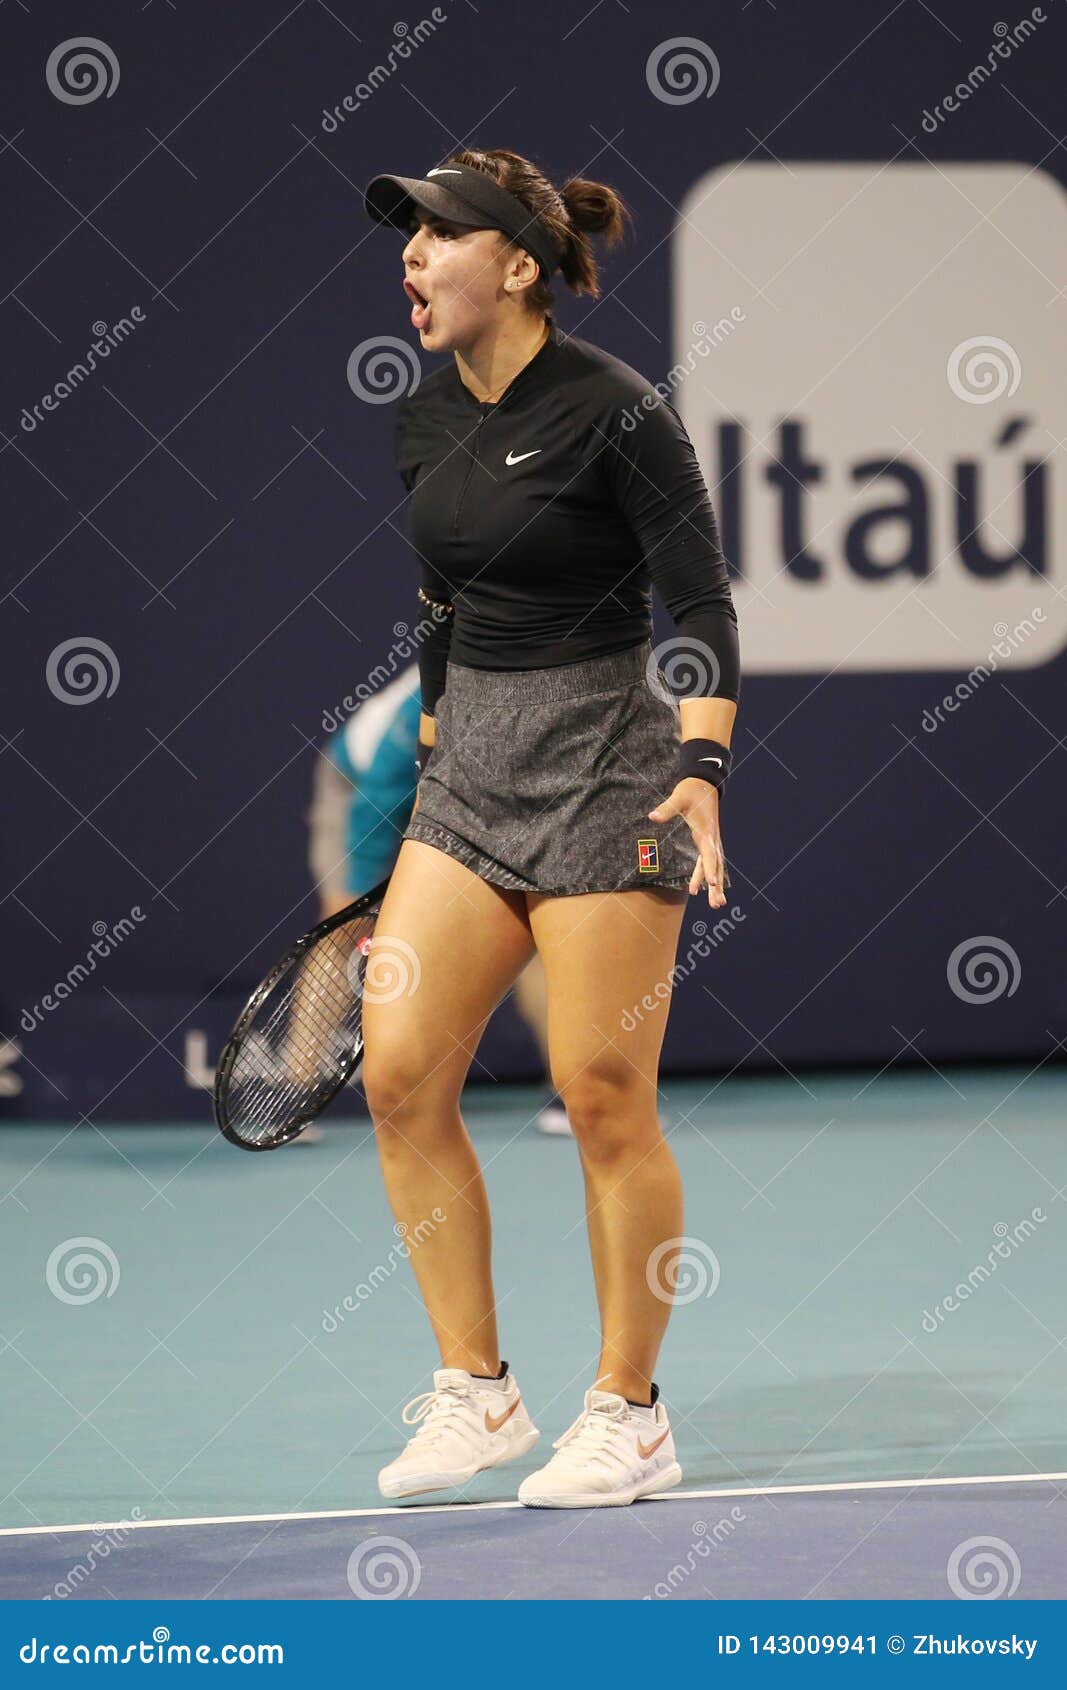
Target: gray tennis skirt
(541, 779)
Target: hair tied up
(593, 208)
(571, 215)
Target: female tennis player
(568, 799)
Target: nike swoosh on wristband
(711, 760)
(513, 459)
(645, 1450)
(493, 1422)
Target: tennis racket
(299, 1037)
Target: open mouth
(420, 305)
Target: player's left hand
(698, 801)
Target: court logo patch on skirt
(648, 856)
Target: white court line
(98, 1527)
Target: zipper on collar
(484, 410)
(473, 459)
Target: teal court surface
(204, 1355)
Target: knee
(413, 1098)
(611, 1110)
(394, 1084)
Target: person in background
(363, 790)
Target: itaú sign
(880, 418)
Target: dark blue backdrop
(216, 506)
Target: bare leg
(446, 950)
(531, 998)
(603, 953)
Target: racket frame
(363, 905)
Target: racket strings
(301, 1039)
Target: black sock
(501, 1375)
(652, 1404)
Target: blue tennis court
(887, 1541)
(865, 1371)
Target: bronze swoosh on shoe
(645, 1450)
(493, 1422)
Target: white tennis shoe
(554, 1120)
(611, 1455)
(465, 1425)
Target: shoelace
(595, 1435)
(435, 1409)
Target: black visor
(463, 195)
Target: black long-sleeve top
(544, 518)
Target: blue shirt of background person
(364, 788)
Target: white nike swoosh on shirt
(512, 458)
(444, 173)
(710, 760)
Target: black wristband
(704, 759)
(423, 753)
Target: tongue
(606, 1401)
(451, 1379)
(420, 316)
